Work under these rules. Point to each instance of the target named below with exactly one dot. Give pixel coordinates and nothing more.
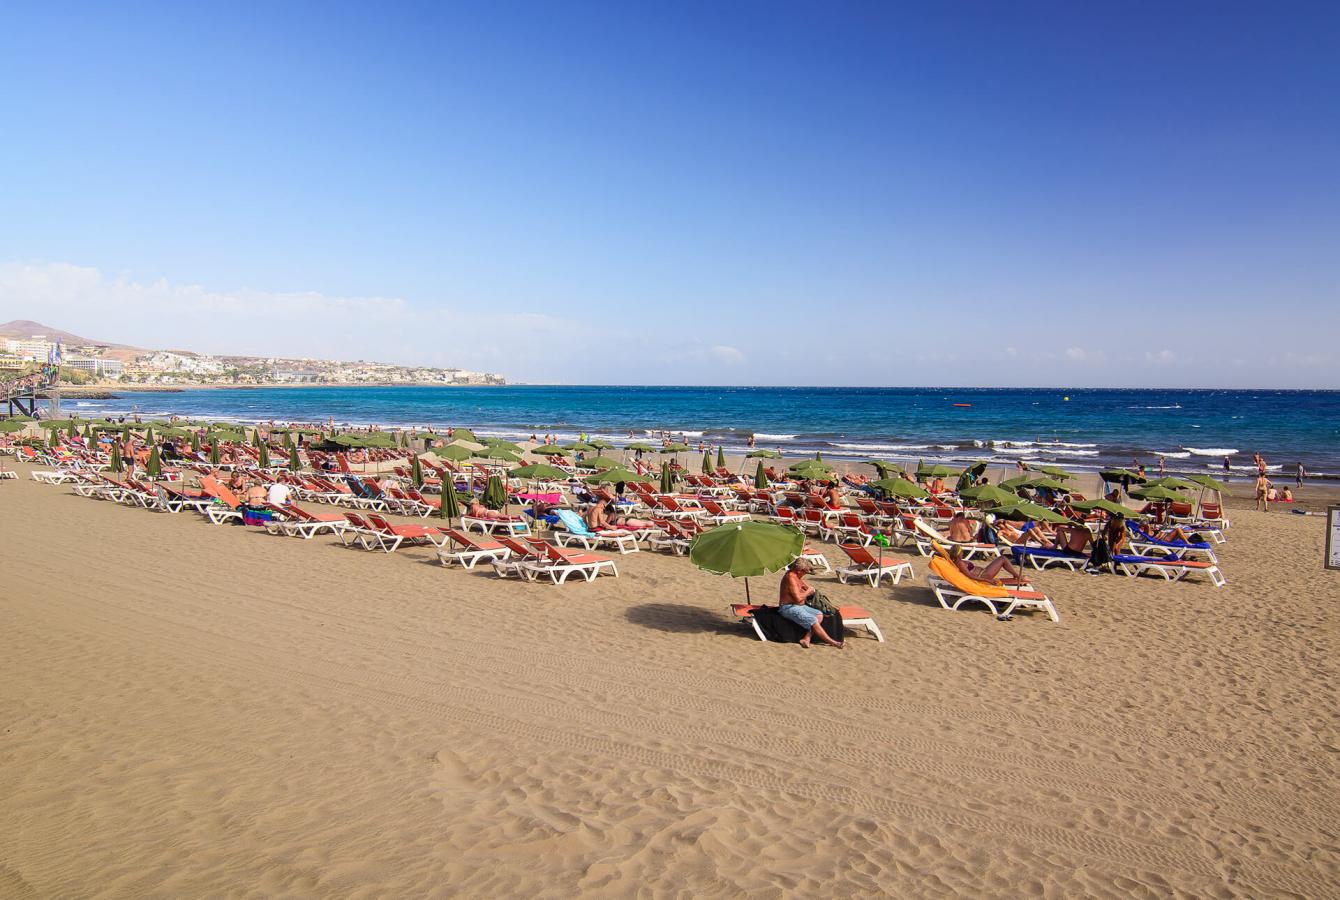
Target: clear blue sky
(755, 192)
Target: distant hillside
(24, 328)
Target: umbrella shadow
(681, 618)
(914, 595)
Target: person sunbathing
(791, 605)
(1173, 533)
(597, 518)
(833, 496)
(256, 495)
(1075, 538)
(988, 572)
(478, 510)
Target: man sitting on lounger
(791, 605)
(1075, 538)
(988, 572)
(962, 529)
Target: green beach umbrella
(501, 453)
(195, 442)
(1206, 481)
(900, 487)
(811, 468)
(746, 549)
(612, 476)
(1050, 484)
(707, 463)
(675, 447)
(453, 452)
(416, 472)
(601, 444)
(294, 461)
(73, 430)
(495, 495)
(1160, 494)
(721, 457)
(1122, 476)
(540, 472)
(760, 476)
(601, 462)
(1019, 481)
(464, 434)
(263, 458)
(1024, 510)
(645, 448)
(1173, 483)
(1053, 471)
(505, 444)
(763, 454)
(935, 470)
(988, 493)
(288, 439)
(667, 479)
(214, 451)
(1107, 506)
(450, 507)
(882, 466)
(9, 426)
(552, 451)
(116, 463)
(154, 467)
(579, 447)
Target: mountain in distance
(26, 328)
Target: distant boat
(963, 404)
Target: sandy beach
(195, 710)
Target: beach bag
(256, 516)
(818, 601)
(1102, 554)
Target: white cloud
(728, 355)
(1162, 356)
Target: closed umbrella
(760, 477)
(263, 458)
(746, 549)
(721, 457)
(667, 479)
(495, 495)
(195, 442)
(450, 507)
(416, 472)
(294, 461)
(154, 467)
(707, 463)
(115, 462)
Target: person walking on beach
(1260, 463)
(1262, 492)
(1299, 475)
(1227, 468)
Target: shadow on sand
(680, 618)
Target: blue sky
(757, 193)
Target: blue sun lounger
(1144, 543)
(1043, 557)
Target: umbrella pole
(747, 598)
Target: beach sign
(1333, 537)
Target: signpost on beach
(1332, 537)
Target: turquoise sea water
(1081, 429)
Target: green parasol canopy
(463, 434)
(883, 466)
(1174, 484)
(552, 451)
(579, 446)
(1160, 494)
(1053, 471)
(746, 549)
(675, 447)
(1019, 481)
(600, 462)
(499, 453)
(763, 454)
(1206, 481)
(499, 442)
(540, 471)
(645, 448)
(1121, 476)
(811, 468)
(988, 493)
(453, 452)
(495, 495)
(899, 487)
(600, 444)
(936, 470)
(612, 476)
(1107, 506)
(1024, 510)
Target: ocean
(1193, 430)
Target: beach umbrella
(195, 442)
(988, 493)
(73, 430)
(1160, 494)
(899, 487)
(540, 472)
(579, 446)
(263, 459)
(811, 468)
(9, 426)
(600, 444)
(288, 439)
(721, 457)
(149, 435)
(882, 466)
(1123, 477)
(416, 472)
(1050, 484)
(935, 470)
(707, 463)
(154, 467)
(505, 444)
(746, 549)
(552, 451)
(495, 495)
(763, 454)
(667, 479)
(612, 476)
(116, 464)
(450, 507)
(1173, 483)
(463, 434)
(1053, 471)
(453, 452)
(214, 451)
(641, 448)
(1022, 509)
(294, 462)
(1019, 481)
(1206, 481)
(760, 476)
(501, 453)
(1107, 506)
(675, 447)
(600, 462)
